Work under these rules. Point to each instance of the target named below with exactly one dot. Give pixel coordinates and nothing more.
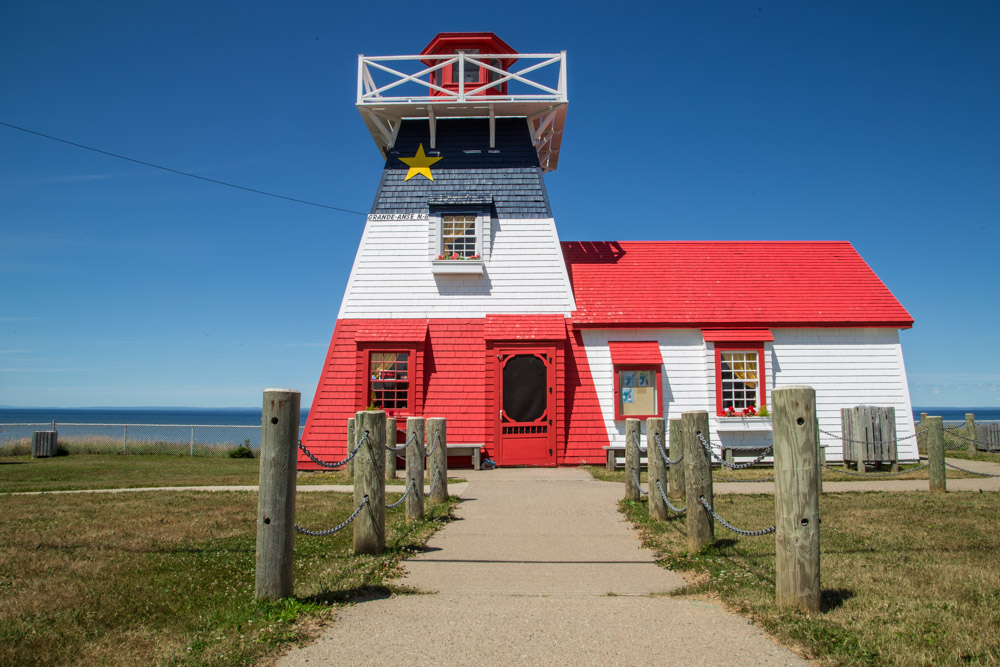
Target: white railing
(392, 79)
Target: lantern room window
(739, 379)
(390, 383)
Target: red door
(526, 410)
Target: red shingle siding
(525, 327)
(737, 335)
(586, 432)
(727, 285)
(635, 352)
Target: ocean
(193, 416)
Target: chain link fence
(175, 439)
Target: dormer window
(459, 236)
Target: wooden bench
(730, 452)
(471, 450)
(613, 452)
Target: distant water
(227, 416)
(958, 414)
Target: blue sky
(123, 285)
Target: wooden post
(922, 438)
(970, 431)
(415, 468)
(796, 498)
(935, 452)
(351, 443)
(675, 473)
(437, 462)
(610, 463)
(390, 441)
(44, 444)
(369, 480)
(632, 459)
(656, 433)
(698, 480)
(279, 436)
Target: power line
(177, 171)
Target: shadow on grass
(352, 595)
(834, 598)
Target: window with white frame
(739, 379)
(459, 236)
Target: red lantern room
(476, 66)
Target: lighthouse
(463, 303)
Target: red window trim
(659, 389)
(364, 362)
(761, 370)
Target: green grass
(168, 578)
(907, 579)
(117, 471)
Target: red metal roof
(737, 335)
(635, 352)
(727, 285)
(525, 327)
(379, 331)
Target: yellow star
(419, 164)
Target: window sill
(457, 266)
(742, 423)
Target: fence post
(124, 437)
(698, 480)
(415, 468)
(369, 480)
(390, 441)
(655, 433)
(632, 468)
(351, 443)
(970, 431)
(276, 498)
(922, 438)
(935, 452)
(675, 473)
(796, 498)
(437, 463)
(192, 441)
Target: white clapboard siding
(392, 274)
(846, 367)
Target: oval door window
(524, 388)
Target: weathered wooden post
(675, 473)
(44, 444)
(415, 468)
(351, 444)
(970, 431)
(279, 436)
(632, 491)
(369, 480)
(390, 441)
(437, 462)
(935, 452)
(796, 498)
(698, 480)
(655, 440)
(922, 437)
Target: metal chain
(865, 442)
(324, 533)
(635, 439)
(437, 439)
(875, 474)
(745, 533)
(400, 501)
(734, 466)
(971, 472)
(678, 510)
(437, 477)
(413, 437)
(338, 464)
(663, 453)
(635, 476)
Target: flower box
(457, 266)
(740, 423)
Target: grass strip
(907, 579)
(168, 578)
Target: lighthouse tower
(458, 299)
